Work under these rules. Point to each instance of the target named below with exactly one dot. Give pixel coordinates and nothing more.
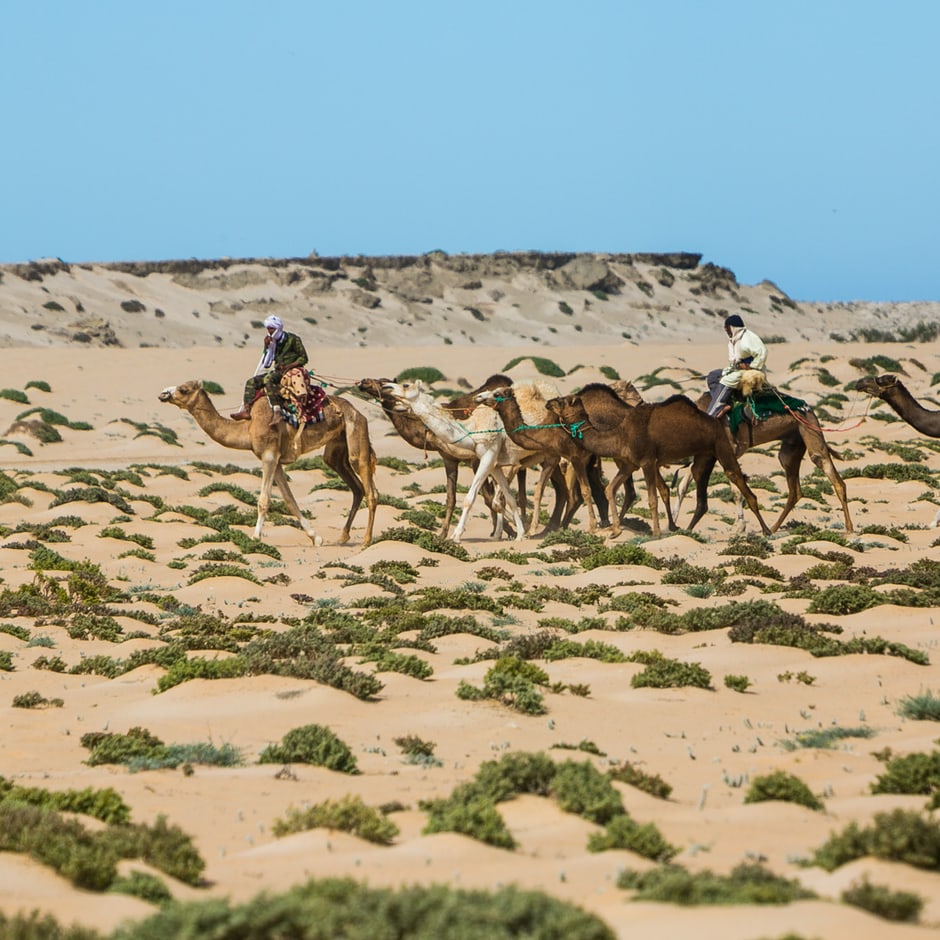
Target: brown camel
(798, 435)
(343, 434)
(891, 389)
(413, 430)
(647, 436)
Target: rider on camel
(282, 351)
(746, 351)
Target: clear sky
(795, 140)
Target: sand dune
(708, 744)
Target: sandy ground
(707, 744)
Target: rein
(797, 417)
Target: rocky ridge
(517, 298)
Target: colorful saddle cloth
(763, 404)
(302, 398)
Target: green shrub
(542, 365)
(311, 744)
(328, 909)
(143, 885)
(922, 707)
(513, 682)
(782, 786)
(35, 700)
(516, 772)
(746, 884)
(737, 683)
(582, 789)
(649, 783)
(427, 374)
(628, 554)
(897, 906)
(406, 663)
(108, 747)
(349, 814)
(899, 835)
(662, 673)
(914, 774)
(826, 737)
(623, 833)
(471, 815)
(36, 926)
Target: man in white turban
(282, 351)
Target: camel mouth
(166, 394)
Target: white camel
(482, 434)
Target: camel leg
(269, 464)
(280, 478)
(823, 460)
(663, 488)
(701, 473)
(563, 499)
(790, 458)
(650, 472)
(548, 468)
(503, 484)
(336, 457)
(593, 474)
(487, 459)
(609, 494)
(735, 475)
(584, 485)
(682, 488)
(450, 474)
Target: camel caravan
(505, 430)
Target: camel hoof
(317, 541)
(343, 537)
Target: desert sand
(708, 744)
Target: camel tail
(835, 455)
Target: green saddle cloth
(763, 404)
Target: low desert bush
(897, 906)
(922, 707)
(633, 776)
(332, 908)
(348, 814)
(782, 786)
(311, 744)
(622, 832)
(746, 884)
(914, 774)
(899, 836)
(659, 672)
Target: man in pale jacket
(745, 351)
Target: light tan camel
(413, 430)
(343, 434)
(649, 436)
(482, 436)
(798, 435)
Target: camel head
(569, 409)
(876, 385)
(492, 396)
(406, 392)
(183, 396)
(376, 388)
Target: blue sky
(795, 140)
